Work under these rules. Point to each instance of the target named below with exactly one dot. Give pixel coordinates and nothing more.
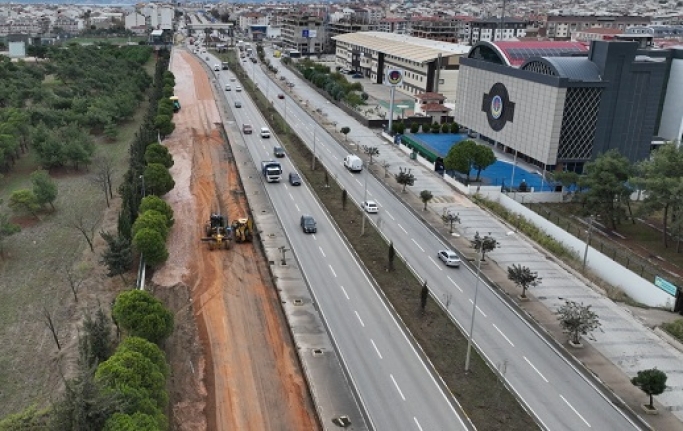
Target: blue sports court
(500, 173)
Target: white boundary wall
(612, 272)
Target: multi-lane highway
(558, 394)
(398, 391)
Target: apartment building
(561, 27)
(494, 29)
(250, 19)
(66, 25)
(435, 28)
(345, 26)
(304, 33)
(394, 25)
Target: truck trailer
(271, 170)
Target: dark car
(357, 76)
(279, 151)
(294, 179)
(280, 96)
(308, 224)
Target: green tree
(652, 382)
(606, 189)
(152, 245)
(96, 344)
(425, 197)
(140, 314)
(661, 177)
(455, 128)
(24, 201)
(134, 370)
(405, 177)
(150, 350)
(371, 151)
(151, 220)
(460, 157)
(345, 131)
(44, 188)
(445, 128)
(414, 128)
(523, 277)
(577, 319)
(118, 256)
(424, 295)
(155, 203)
(29, 419)
(158, 181)
(483, 244)
(482, 158)
(391, 256)
(164, 124)
(111, 131)
(135, 422)
(157, 153)
(7, 229)
(435, 128)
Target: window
(441, 81)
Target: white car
(227, 87)
(217, 67)
(370, 206)
(265, 132)
(449, 258)
(232, 79)
(238, 88)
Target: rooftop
(407, 47)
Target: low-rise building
(493, 29)
(427, 66)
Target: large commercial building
(560, 111)
(304, 33)
(428, 66)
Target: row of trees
(607, 184)
(334, 83)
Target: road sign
(666, 286)
(394, 77)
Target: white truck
(353, 163)
(271, 170)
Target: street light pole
(313, 161)
(474, 310)
(588, 241)
(365, 198)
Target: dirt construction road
(253, 378)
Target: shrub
(155, 203)
(675, 329)
(414, 128)
(140, 314)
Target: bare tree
(104, 171)
(85, 223)
(371, 151)
(76, 277)
(50, 322)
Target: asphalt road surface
(397, 389)
(556, 392)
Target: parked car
(357, 76)
(370, 206)
(278, 151)
(280, 96)
(449, 258)
(308, 224)
(238, 104)
(290, 84)
(247, 129)
(294, 179)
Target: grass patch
(31, 277)
(481, 393)
(675, 329)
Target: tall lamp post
(474, 310)
(365, 198)
(588, 241)
(313, 158)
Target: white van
(265, 132)
(353, 163)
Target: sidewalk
(624, 346)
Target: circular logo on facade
(394, 77)
(496, 107)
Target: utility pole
(588, 241)
(474, 310)
(365, 198)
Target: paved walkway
(625, 344)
